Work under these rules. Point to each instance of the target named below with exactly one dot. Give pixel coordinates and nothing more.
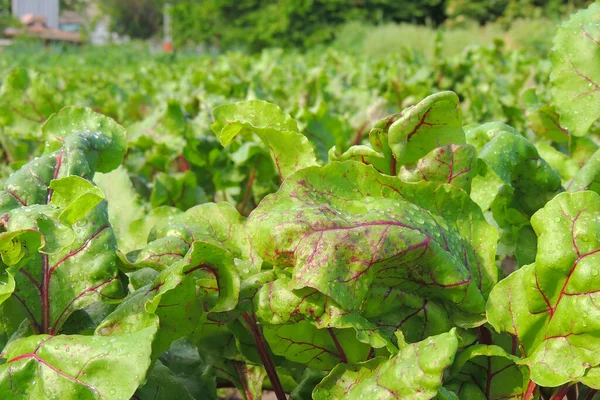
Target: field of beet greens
(320, 226)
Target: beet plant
(431, 260)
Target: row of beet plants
(435, 260)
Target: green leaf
(416, 317)
(76, 367)
(317, 348)
(325, 128)
(26, 101)
(103, 135)
(58, 236)
(179, 190)
(452, 164)
(419, 365)
(217, 223)
(575, 76)
(550, 304)
(161, 384)
(516, 161)
(588, 177)
(357, 153)
(344, 227)
(172, 296)
(195, 373)
(406, 137)
(290, 150)
(76, 196)
(543, 119)
(491, 372)
(124, 208)
(247, 378)
(433, 122)
(96, 143)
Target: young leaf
(517, 163)
(420, 366)
(434, 122)
(174, 287)
(588, 176)
(290, 150)
(452, 164)
(487, 372)
(124, 208)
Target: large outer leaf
(551, 305)
(415, 373)
(290, 150)
(76, 367)
(58, 235)
(575, 74)
(344, 227)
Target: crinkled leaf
(344, 227)
(358, 153)
(276, 304)
(217, 223)
(172, 296)
(406, 137)
(392, 309)
(290, 149)
(575, 76)
(452, 164)
(414, 373)
(550, 304)
(317, 348)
